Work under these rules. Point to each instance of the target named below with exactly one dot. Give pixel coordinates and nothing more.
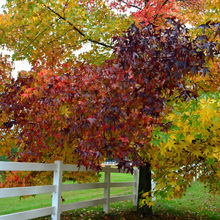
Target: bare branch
(64, 8)
(37, 35)
(134, 6)
(145, 2)
(213, 168)
(161, 8)
(64, 19)
(60, 36)
(76, 29)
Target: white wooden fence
(57, 188)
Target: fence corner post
(56, 198)
(107, 189)
(135, 187)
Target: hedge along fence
(57, 188)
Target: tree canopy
(135, 96)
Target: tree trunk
(144, 186)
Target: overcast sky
(18, 65)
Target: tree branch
(134, 6)
(145, 2)
(194, 165)
(213, 168)
(60, 36)
(64, 8)
(37, 35)
(161, 8)
(76, 29)
(64, 19)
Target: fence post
(107, 189)
(135, 187)
(56, 199)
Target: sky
(18, 65)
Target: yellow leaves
(189, 138)
(171, 117)
(146, 200)
(32, 29)
(169, 145)
(145, 194)
(216, 153)
(218, 173)
(208, 110)
(197, 153)
(172, 182)
(35, 18)
(193, 147)
(177, 188)
(64, 110)
(200, 11)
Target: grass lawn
(196, 204)
(17, 204)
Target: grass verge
(196, 204)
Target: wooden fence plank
(23, 191)
(121, 184)
(135, 187)
(120, 198)
(23, 166)
(107, 189)
(56, 197)
(57, 188)
(82, 204)
(35, 213)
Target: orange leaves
(5, 69)
(148, 11)
(45, 73)
(156, 11)
(28, 92)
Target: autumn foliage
(147, 91)
(83, 113)
(148, 11)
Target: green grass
(196, 204)
(17, 204)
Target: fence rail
(57, 188)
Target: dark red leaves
(91, 113)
